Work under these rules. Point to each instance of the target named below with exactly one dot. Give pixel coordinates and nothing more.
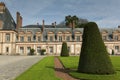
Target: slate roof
(8, 21)
(48, 28)
(45, 26)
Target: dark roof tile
(8, 21)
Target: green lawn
(72, 63)
(43, 70)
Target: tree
(64, 50)
(74, 21)
(43, 51)
(94, 58)
(71, 21)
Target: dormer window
(104, 37)
(68, 38)
(78, 38)
(51, 38)
(39, 38)
(60, 38)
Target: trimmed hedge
(43, 51)
(64, 50)
(94, 58)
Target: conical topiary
(94, 58)
(64, 50)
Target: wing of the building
(16, 39)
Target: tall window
(78, 38)
(51, 38)
(21, 38)
(29, 38)
(28, 49)
(22, 50)
(7, 37)
(39, 38)
(7, 49)
(60, 38)
(39, 50)
(68, 49)
(68, 38)
(117, 48)
(51, 49)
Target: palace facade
(18, 39)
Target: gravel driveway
(12, 66)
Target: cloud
(108, 22)
(104, 12)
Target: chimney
(52, 24)
(18, 20)
(43, 24)
(37, 23)
(2, 7)
(21, 21)
(55, 24)
(119, 26)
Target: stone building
(18, 39)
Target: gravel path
(61, 72)
(12, 66)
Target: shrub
(43, 51)
(32, 52)
(94, 58)
(64, 50)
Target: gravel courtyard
(12, 66)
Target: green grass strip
(72, 63)
(43, 70)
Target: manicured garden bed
(43, 70)
(72, 64)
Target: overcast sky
(106, 13)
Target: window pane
(116, 37)
(21, 38)
(104, 37)
(38, 49)
(21, 49)
(28, 49)
(39, 38)
(29, 38)
(51, 38)
(7, 49)
(51, 49)
(7, 37)
(60, 38)
(68, 49)
(78, 38)
(68, 38)
(117, 48)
